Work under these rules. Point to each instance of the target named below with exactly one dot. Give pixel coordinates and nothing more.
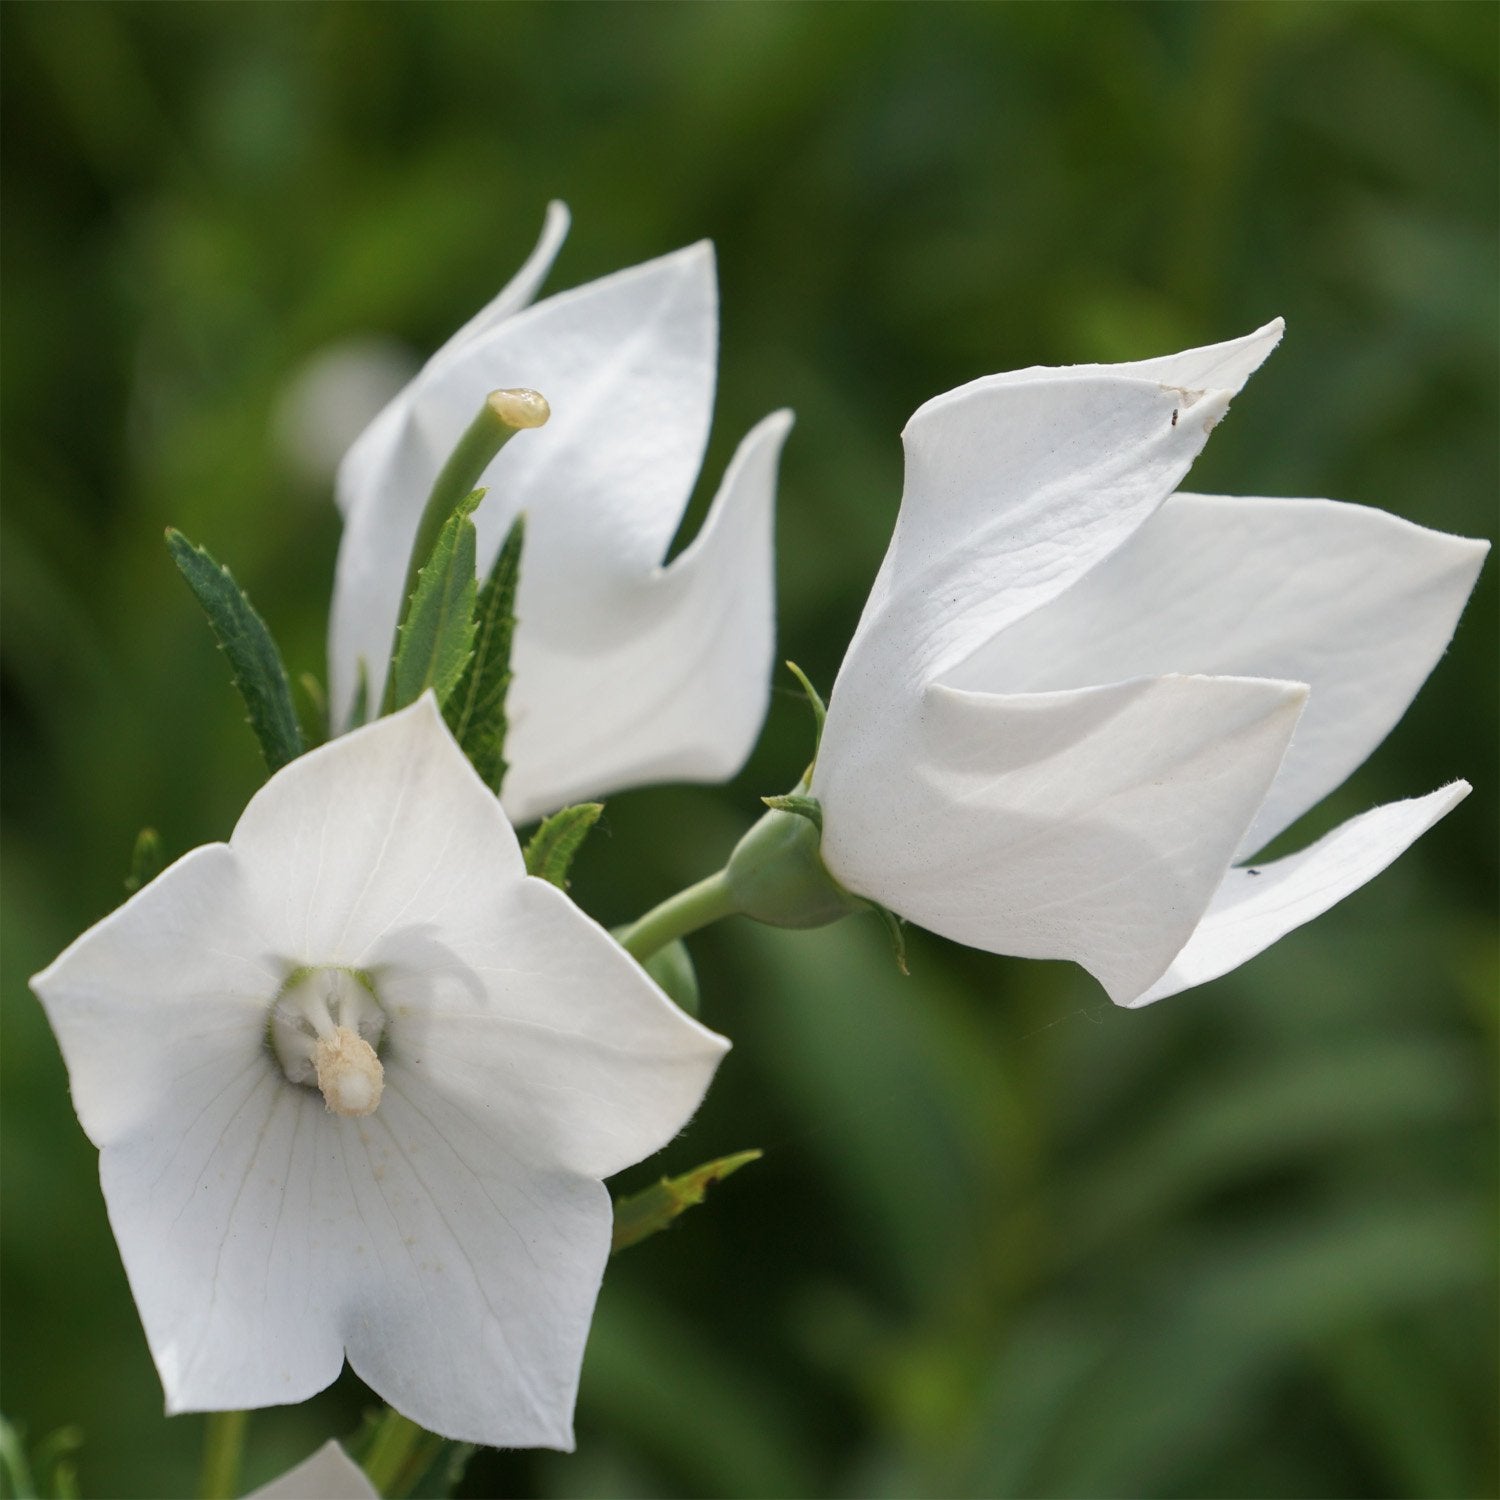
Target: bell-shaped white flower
(1076, 699)
(328, 1474)
(355, 1078)
(627, 670)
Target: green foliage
(551, 849)
(476, 710)
(436, 637)
(253, 658)
(671, 966)
(643, 1214)
(960, 1271)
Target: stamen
(324, 1029)
(349, 1074)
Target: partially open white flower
(355, 1078)
(1073, 703)
(626, 671)
(328, 1474)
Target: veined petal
(675, 688)
(1093, 825)
(1017, 485)
(1257, 905)
(178, 978)
(534, 1019)
(627, 364)
(1354, 602)
(486, 1270)
(383, 829)
(328, 1474)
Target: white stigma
(324, 1029)
(520, 408)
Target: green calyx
(776, 874)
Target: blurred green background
(1006, 1240)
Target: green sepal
(436, 636)
(550, 850)
(145, 860)
(476, 711)
(253, 658)
(814, 702)
(672, 968)
(896, 930)
(797, 802)
(646, 1213)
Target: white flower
(487, 1054)
(1070, 703)
(626, 671)
(328, 1474)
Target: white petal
(533, 1018)
(384, 829)
(376, 449)
(1018, 484)
(1092, 825)
(479, 1272)
(328, 1474)
(520, 291)
(627, 364)
(180, 977)
(1257, 905)
(1356, 603)
(676, 687)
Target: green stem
(501, 416)
(223, 1440)
(707, 901)
(390, 1449)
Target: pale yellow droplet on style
(520, 408)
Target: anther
(520, 408)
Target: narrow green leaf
(644, 1214)
(437, 634)
(360, 707)
(145, 861)
(476, 710)
(549, 854)
(253, 658)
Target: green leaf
(476, 711)
(437, 635)
(643, 1214)
(256, 663)
(145, 862)
(315, 708)
(549, 854)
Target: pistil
(325, 1027)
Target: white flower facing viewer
(355, 1078)
(626, 671)
(1075, 700)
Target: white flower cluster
(356, 1078)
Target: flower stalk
(223, 1443)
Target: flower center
(325, 1027)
